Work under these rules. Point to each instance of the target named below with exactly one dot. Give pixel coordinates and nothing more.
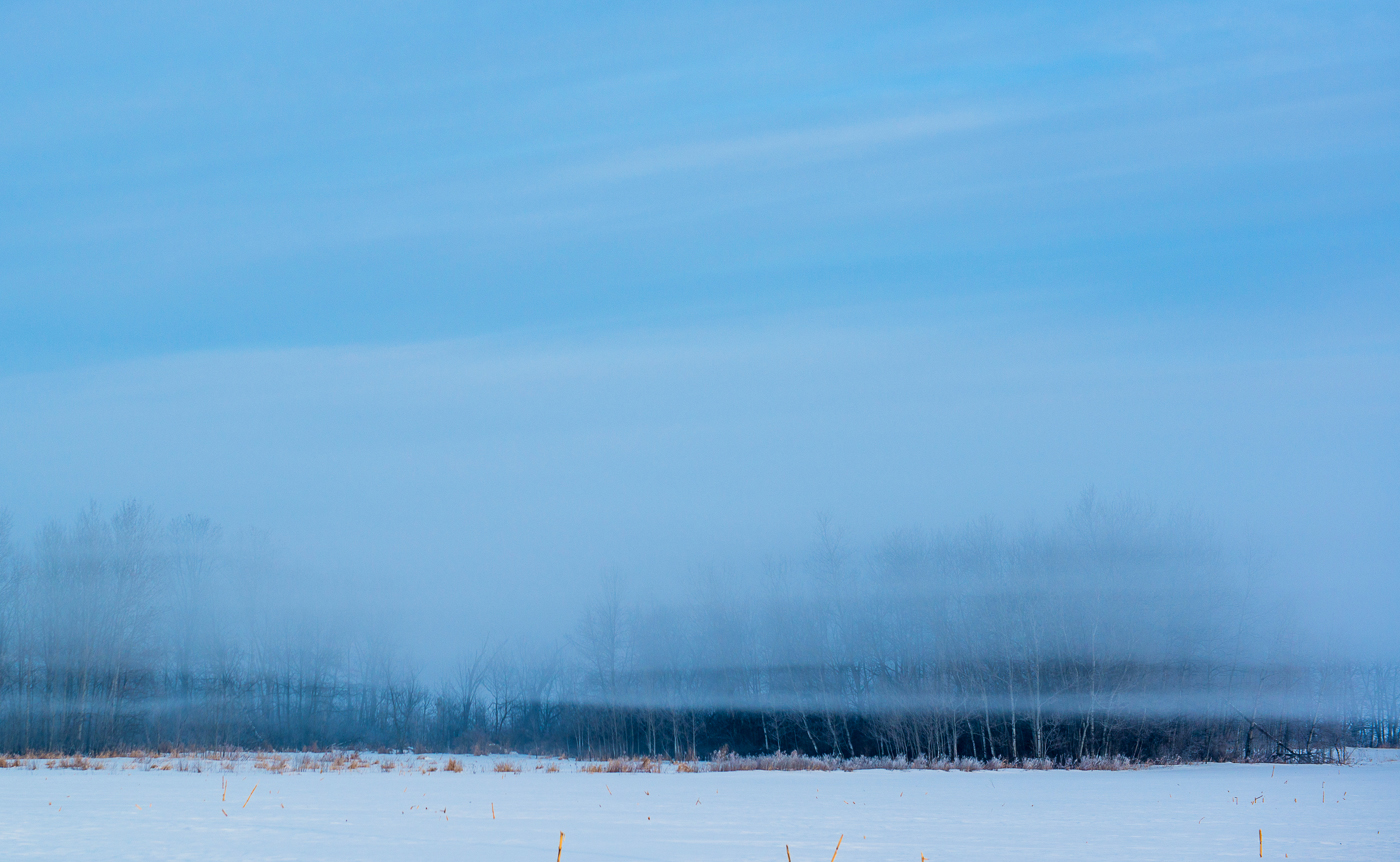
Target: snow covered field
(395, 808)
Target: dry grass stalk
(77, 761)
(622, 764)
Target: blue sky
(516, 293)
(180, 178)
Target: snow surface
(396, 809)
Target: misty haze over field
(809, 361)
(447, 482)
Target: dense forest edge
(1118, 635)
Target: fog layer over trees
(1114, 632)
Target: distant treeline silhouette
(1116, 633)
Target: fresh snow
(398, 809)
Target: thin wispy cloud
(798, 146)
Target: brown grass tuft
(77, 761)
(646, 764)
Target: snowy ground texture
(409, 807)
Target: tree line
(1117, 632)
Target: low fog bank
(1115, 629)
(484, 483)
